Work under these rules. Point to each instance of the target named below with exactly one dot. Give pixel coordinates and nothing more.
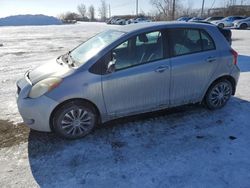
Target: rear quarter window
(207, 41)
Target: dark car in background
(184, 19)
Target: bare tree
(62, 16)
(103, 10)
(69, 17)
(173, 9)
(187, 10)
(244, 2)
(231, 2)
(166, 8)
(82, 10)
(91, 13)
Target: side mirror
(111, 64)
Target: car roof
(160, 25)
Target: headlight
(44, 86)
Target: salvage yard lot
(188, 146)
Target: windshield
(227, 19)
(91, 47)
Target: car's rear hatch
(227, 33)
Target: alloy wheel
(220, 94)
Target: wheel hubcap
(220, 94)
(77, 122)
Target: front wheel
(218, 94)
(243, 26)
(74, 120)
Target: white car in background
(242, 24)
(228, 21)
(214, 18)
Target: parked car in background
(196, 19)
(139, 20)
(214, 18)
(242, 24)
(129, 21)
(124, 21)
(109, 21)
(114, 20)
(184, 19)
(129, 70)
(200, 21)
(228, 21)
(120, 22)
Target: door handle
(161, 69)
(211, 59)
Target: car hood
(50, 69)
(237, 21)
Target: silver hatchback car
(130, 70)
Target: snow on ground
(184, 147)
(27, 47)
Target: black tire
(221, 25)
(74, 120)
(243, 26)
(218, 94)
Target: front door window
(141, 49)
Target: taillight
(235, 56)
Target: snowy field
(184, 147)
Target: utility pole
(173, 12)
(202, 8)
(109, 11)
(137, 4)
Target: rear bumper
(235, 73)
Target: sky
(56, 7)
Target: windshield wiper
(71, 61)
(67, 59)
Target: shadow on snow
(244, 63)
(130, 151)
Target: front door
(141, 78)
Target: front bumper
(236, 26)
(35, 112)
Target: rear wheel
(243, 26)
(74, 120)
(218, 94)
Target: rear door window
(185, 41)
(189, 41)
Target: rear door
(194, 59)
